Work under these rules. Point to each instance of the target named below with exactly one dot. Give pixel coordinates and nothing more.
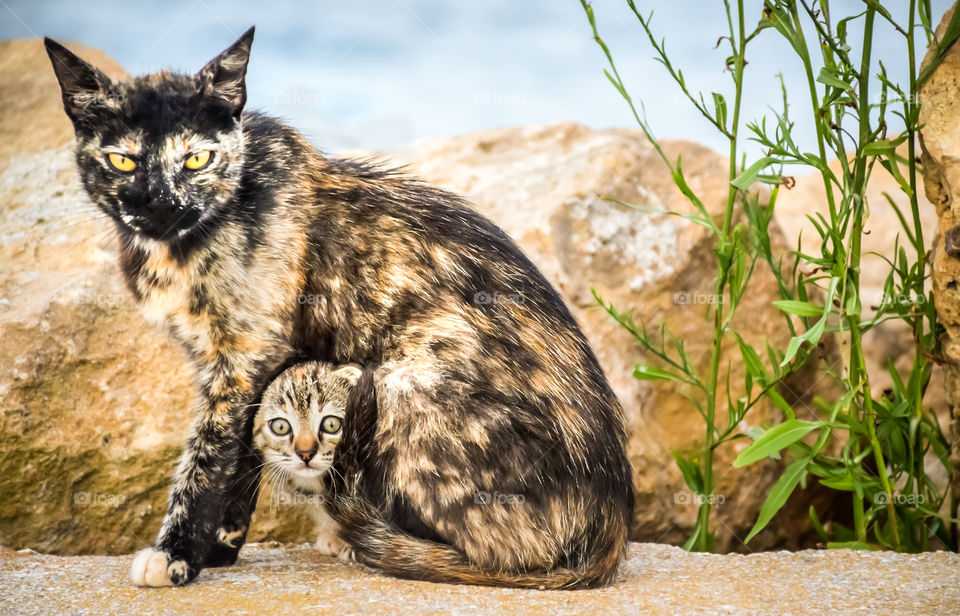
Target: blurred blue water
(381, 73)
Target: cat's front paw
(152, 567)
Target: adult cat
(255, 251)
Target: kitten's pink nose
(306, 454)
(305, 446)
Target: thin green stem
(817, 110)
(858, 365)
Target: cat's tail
(378, 543)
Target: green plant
(886, 437)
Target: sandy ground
(656, 579)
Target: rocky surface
(656, 579)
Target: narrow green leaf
(692, 541)
(817, 525)
(775, 439)
(778, 496)
(747, 178)
(750, 359)
(649, 373)
(691, 473)
(812, 336)
(827, 78)
(844, 484)
(850, 545)
(802, 309)
(720, 108)
(878, 148)
(774, 396)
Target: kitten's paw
(330, 544)
(151, 567)
(347, 555)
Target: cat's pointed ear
(80, 83)
(349, 373)
(224, 76)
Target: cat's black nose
(306, 454)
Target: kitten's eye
(121, 162)
(280, 427)
(198, 160)
(331, 424)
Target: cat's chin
(308, 479)
(308, 472)
(147, 231)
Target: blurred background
(379, 74)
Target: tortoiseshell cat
(255, 252)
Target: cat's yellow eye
(280, 427)
(121, 162)
(331, 424)
(198, 160)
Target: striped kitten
(297, 430)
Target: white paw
(329, 544)
(152, 567)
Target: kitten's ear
(80, 83)
(224, 76)
(350, 373)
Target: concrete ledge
(657, 579)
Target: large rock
(95, 405)
(654, 580)
(31, 120)
(941, 171)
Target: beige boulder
(941, 147)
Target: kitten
(297, 430)
(255, 252)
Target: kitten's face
(301, 419)
(160, 154)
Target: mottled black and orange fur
(276, 254)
